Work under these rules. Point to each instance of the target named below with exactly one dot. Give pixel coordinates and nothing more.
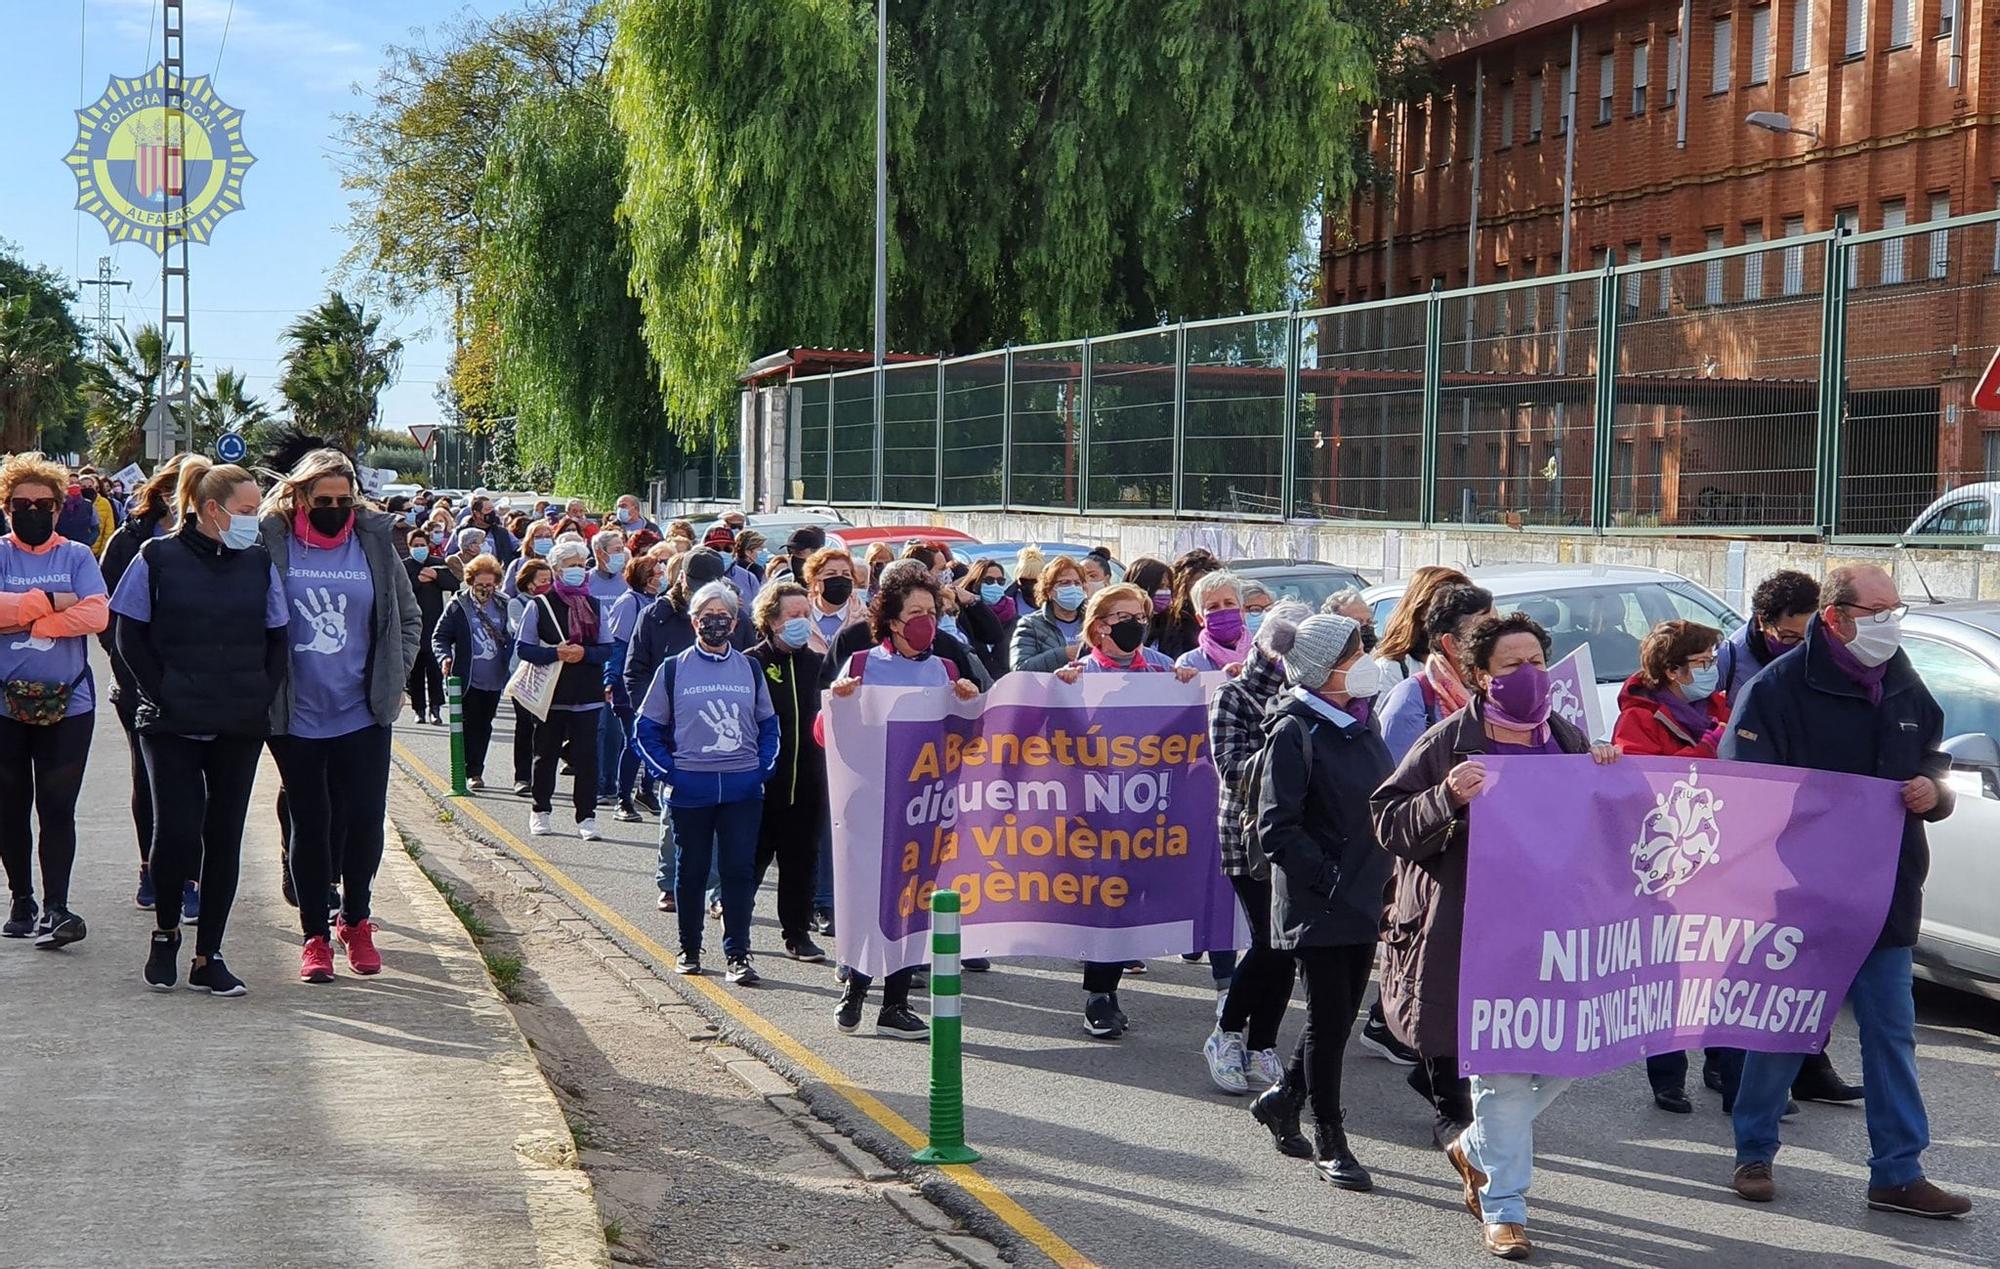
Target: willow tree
(552, 285)
(1057, 169)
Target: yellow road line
(967, 1178)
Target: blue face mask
(539, 546)
(992, 592)
(796, 632)
(241, 533)
(763, 558)
(616, 561)
(574, 575)
(411, 515)
(1069, 597)
(1706, 679)
(420, 553)
(948, 624)
(1252, 620)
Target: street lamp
(1779, 122)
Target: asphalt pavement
(1127, 1154)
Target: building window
(1990, 444)
(1902, 22)
(1628, 293)
(1760, 44)
(1753, 264)
(1638, 79)
(1795, 257)
(1802, 35)
(1719, 72)
(1940, 263)
(1894, 216)
(1947, 16)
(1506, 115)
(1535, 111)
(1568, 102)
(1857, 27)
(1711, 285)
(1503, 302)
(1607, 73)
(1673, 69)
(1666, 276)
(1848, 221)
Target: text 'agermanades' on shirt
(67, 568)
(332, 599)
(716, 708)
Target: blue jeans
(725, 837)
(1885, 1012)
(1501, 1141)
(614, 739)
(628, 762)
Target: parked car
(898, 536)
(1967, 511)
(1308, 580)
(776, 528)
(1004, 553)
(1609, 607)
(1955, 647)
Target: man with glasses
(1779, 609)
(1850, 701)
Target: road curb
(562, 1206)
(954, 1221)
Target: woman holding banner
(1114, 632)
(1224, 639)
(1420, 816)
(903, 615)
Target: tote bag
(534, 686)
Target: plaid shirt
(1235, 735)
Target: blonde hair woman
(51, 602)
(354, 633)
(202, 629)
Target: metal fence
(1817, 384)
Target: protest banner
(1656, 904)
(1573, 693)
(1074, 820)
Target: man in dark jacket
(1851, 701)
(1779, 609)
(795, 795)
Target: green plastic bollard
(454, 698)
(947, 1133)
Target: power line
(226, 18)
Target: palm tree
(337, 368)
(225, 407)
(37, 379)
(119, 389)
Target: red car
(898, 536)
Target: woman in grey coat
(1049, 638)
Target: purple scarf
(582, 615)
(1690, 716)
(1003, 612)
(1222, 655)
(1866, 677)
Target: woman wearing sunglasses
(51, 601)
(355, 629)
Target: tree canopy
(41, 358)
(336, 368)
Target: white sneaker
(538, 824)
(1224, 1051)
(1264, 1069)
(587, 829)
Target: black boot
(1817, 1081)
(1337, 1163)
(1277, 1108)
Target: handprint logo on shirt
(326, 615)
(483, 646)
(726, 722)
(33, 643)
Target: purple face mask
(1520, 698)
(1225, 625)
(1161, 600)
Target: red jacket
(1646, 729)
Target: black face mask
(715, 630)
(837, 590)
(34, 526)
(328, 521)
(1128, 634)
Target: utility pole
(176, 351)
(881, 226)
(103, 282)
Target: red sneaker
(316, 961)
(359, 940)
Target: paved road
(1129, 1155)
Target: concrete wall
(1728, 567)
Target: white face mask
(1363, 678)
(1876, 641)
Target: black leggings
(524, 745)
(1335, 979)
(41, 770)
(579, 728)
(353, 772)
(201, 790)
(1262, 987)
(477, 705)
(426, 683)
(790, 835)
(142, 784)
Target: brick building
(1893, 107)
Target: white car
(1967, 511)
(1610, 607)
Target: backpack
(1253, 838)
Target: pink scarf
(1106, 663)
(302, 529)
(1223, 655)
(1443, 678)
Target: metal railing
(1814, 385)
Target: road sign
(163, 433)
(229, 447)
(1986, 396)
(422, 433)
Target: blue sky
(289, 65)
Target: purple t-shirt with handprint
(332, 600)
(718, 703)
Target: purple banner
(1073, 820)
(1657, 904)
